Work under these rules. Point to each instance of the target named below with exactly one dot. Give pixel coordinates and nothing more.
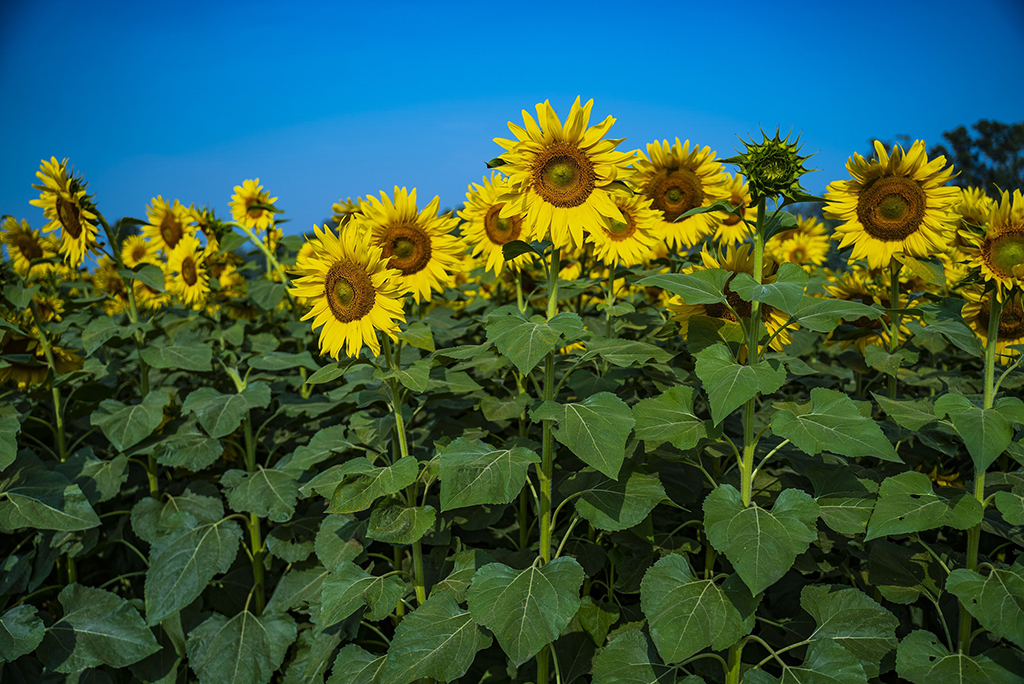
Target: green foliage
(594, 429)
(729, 384)
(831, 422)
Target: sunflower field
(623, 417)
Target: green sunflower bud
(773, 168)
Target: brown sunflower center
(563, 175)
(29, 246)
(891, 208)
(1005, 252)
(69, 216)
(349, 291)
(720, 310)
(501, 230)
(138, 252)
(1011, 321)
(408, 247)
(170, 231)
(676, 192)
(189, 272)
(253, 211)
(733, 219)
(619, 231)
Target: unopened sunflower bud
(773, 168)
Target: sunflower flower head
(977, 312)
(483, 227)
(63, 200)
(168, 224)
(998, 251)
(137, 250)
(252, 206)
(189, 277)
(629, 242)
(342, 211)
(25, 246)
(773, 168)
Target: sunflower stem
(732, 669)
(988, 399)
(271, 259)
(255, 540)
(753, 353)
(894, 317)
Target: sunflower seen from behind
(895, 203)
(483, 228)
(561, 177)
(189, 280)
(63, 200)
(998, 250)
(418, 244)
(351, 290)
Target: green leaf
(762, 545)
(418, 335)
(330, 372)
(526, 610)
(700, 287)
(630, 659)
(986, 432)
(437, 640)
(831, 422)
(826, 663)
(930, 272)
(614, 504)
(996, 600)
(669, 418)
(890, 364)
(266, 492)
(906, 503)
(279, 361)
(513, 248)
(10, 426)
(98, 628)
(824, 315)
(473, 473)
(20, 296)
(844, 501)
(244, 649)
(729, 384)
(718, 205)
(912, 414)
(126, 426)
(221, 414)
(21, 630)
(192, 357)
(297, 587)
(363, 483)
(101, 330)
(850, 618)
(687, 614)
(150, 275)
(785, 292)
(396, 523)
(348, 588)
(464, 567)
(188, 449)
(921, 659)
(597, 618)
(338, 540)
(184, 561)
(625, 353)
(99, 480)
(34, 497)
(266, 294)
(153, 519)
(594, 429)
(525, 341)
(324, 444)
(355, 666)
(1011, 505)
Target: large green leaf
(630, 659)
(268, 493)
(21, 630)
(995, 600)
(394, 522)
(474, 473)
(624, 353)
(10, 426)
(907, 503)
(844, 500)
(338, 540)
(279, 361)
(1011, 505)
(762, 545)
(363, 483)
(156, 518)
(97, 628)
(437, 640)
(528, 609)
(244, 649)
(985, 432)
(912, 414)
(729, 384)
(785, 292)
(297, 587)
(594, 429)
(221, 414)
(525, 341)
(100, 480)
(188, 448)
(32, 496)
(356, 666)
(614, 504)
(850, 618)
(687, 614)
(831, 422)
(348, 588)
(669, 417)
(322, 446)
(188, 357)
(183, 562)
(706, 286)
(126, 426)
(824, 315)
(826, 663)
(921, 659)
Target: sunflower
(352, 290)
(418, 243)
(189, 279)
(107, 280)
(484, 229)
(148, 298)
(256, 218)
(731, 229)
(561, 178)
(137, 250)
(893, 204)
(999, 250)
(679, 179)
(168, 224)
(976, 314)
(807, 244)
(63, 200)
(860, 285)
(628, 242)
(342, 211)
(24, 361)
(209, 225)
(738, 259)
(25, 245)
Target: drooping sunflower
(679, 179)
(417, 243)
(25, 245)
(352, 291)
(137, 250)
(561, 178)
(730, 229)
(894, 203)
(256, 218)
(628, 242)
(34, 369)
(976, 314)
(807, 244)
(999, 251)
(483, 227)
(189, 280)
(738, 259)
(63, 200)
(168, 224)
(858, 284)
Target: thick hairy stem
(894, 317)
(255, 536)
(753, 353)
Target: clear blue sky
(329, 99)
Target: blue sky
(334, 99)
